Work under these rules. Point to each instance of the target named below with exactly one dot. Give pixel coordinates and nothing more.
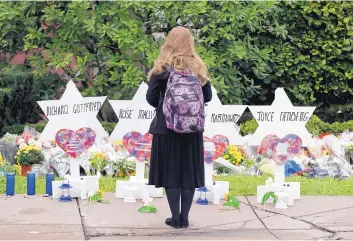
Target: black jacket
(155, 96)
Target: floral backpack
(183, 105)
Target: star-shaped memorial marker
(281, 118)
(134, 115)
(222, 119)
(215, 100)
(137, 114)
(73, 112)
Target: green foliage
(117, 40)
(240, 185)
(108, 126)
(315, 126)
(15, 20)
(6, 167)
(98, 161)
(147, 209)
(97, 198)
(19, 93)
(251, 48)
(19, 101)
(101, 36)
(38, 127)
(316, 58)
(29, 155)
(18, 129)
(267, 196)
(233, 202)
(124, 168)
(334, 113)
(248, 127)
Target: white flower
(148, 202)
(22, 145)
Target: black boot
(173, 196)
(187, 196)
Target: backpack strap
(158, 107)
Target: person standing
(178, 88)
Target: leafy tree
(104, 39)
(118, 41)
(15, 19)
(314, 59)
(226, 36)
(251, 48)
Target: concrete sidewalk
(42, 218)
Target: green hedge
(335, 112)
(315, 126)
(19, 93)
(18, 102)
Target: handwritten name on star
(283, 116)
(142, 114)
(75, 109)
(224, 118)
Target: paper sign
(282, 149)
(72, 111)
(281, 118)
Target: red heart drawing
(280, 150)
(74, 143)
(214, 147)
(138, 145)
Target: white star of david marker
(72, 111)
(281, 118)
(134, 115)
(215, 100)
(222, 119)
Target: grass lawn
(239, 185)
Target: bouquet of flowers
(98, 161)
(28, 137)
(233, 155)
(120, 151)
(29, 155)
(6, 167)
(125, 168)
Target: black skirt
(177, 160)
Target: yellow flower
(100, 193)
(17, 168)
(227, 196)
(121, 173)
(226, 157)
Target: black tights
(173, 196)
